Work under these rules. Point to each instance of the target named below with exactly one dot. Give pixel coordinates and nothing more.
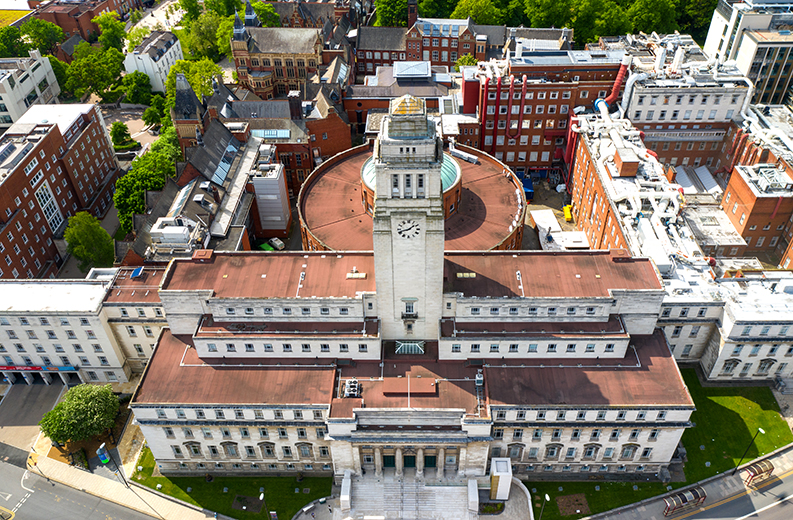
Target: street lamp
(547, 499)
(759, 431)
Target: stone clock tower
(408, 223)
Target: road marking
(26, 475)
(730, 498)
(22, 501)
(5, 496)
(769, 506)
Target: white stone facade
(154, 57)
(25, 81)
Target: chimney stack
(295, 104)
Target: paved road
(34, 498)
(22, 409)
(771, 500)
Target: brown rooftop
(547, 274)
(331, 207)
(655, 382)
(273, 275)
(140, 289)
(169, 379)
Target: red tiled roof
(169, 379)
(141, 289)
(656, 381)
(273, 275)
(332, 208)
(543, 274)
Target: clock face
(408, 229)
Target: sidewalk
(718, 488)
(135, 497)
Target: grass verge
(726, 419)
(279, 492)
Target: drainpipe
(522, 104)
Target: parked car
(277, 243)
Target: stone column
(28, 377)
(378, 462)
(441, 462)
(10, 376)
(64, 377)
(356, 461)
(399, 462)
(47, 378)
(420, 462)
(461, 462)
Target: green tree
(151, 116)
(42, 35)
(392, 13)
(436, 8)
(61, 71)
(191, 9)
(266, 14)
(147, 174)
(596, 18)
(653, 15)
(203, 35)
(694, 16)
(83, 50)
(94, 73)
(85, 412)
(135, 37)
(119, 133)
(111, 30)
(198, 73)
(481, 11)
(137, 85)
(224, 33)
(88, 242)
(513, 12)
(11, 43)
(168, 146)
(223, 7)
(465, 59)
(551, 13)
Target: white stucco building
(25, 81)
(154, 57)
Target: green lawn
(726, 419)
(610, 495)
(279, 492)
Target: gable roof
(382, 38)
(278, 39)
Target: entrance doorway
(389, 461)
(410, 461)
(430, 461)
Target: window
(601, 415)
(474, 347)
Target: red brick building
(55, 161)
(524, 103)
(75, 17)
(443, 41)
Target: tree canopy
(136, 35)
(111, 31)
(198, 73)
(465, 59)
(191, 9)
(60, 69)
(202, 38)
(480, 11)
(168, 146)
(151, 116)
(146, 174)
(267, 17)
(11, 44)
(266, 14)
(392, 13)
(653, 15)
(223, 7)
(42, 35)
(85, 412)
(137, 85)
(119, 133)
(94, 72)
(88, 242)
